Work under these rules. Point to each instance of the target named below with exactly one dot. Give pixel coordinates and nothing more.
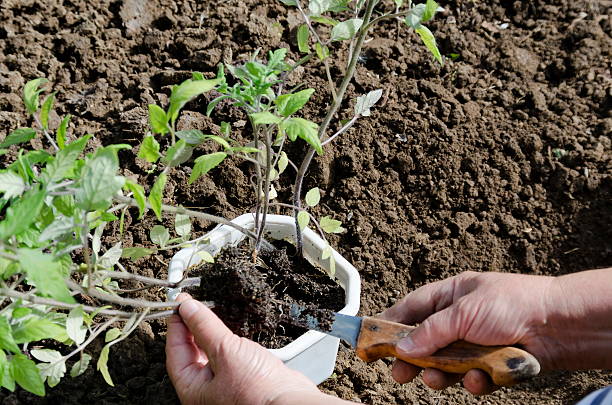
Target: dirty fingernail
(405, 345)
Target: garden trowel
(375, 338)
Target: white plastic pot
(314, 353)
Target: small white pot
(314, 353)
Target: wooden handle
(506, 365)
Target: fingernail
(406, 345)
(188, 307)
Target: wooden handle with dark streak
(506, 365)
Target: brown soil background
(456, 171)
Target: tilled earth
(499, 161)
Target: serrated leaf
(57, 230)
(185, 92)
(415, 17)
(74, 325)
(330, 225)
(265, 117)
(430, 42)
(178, 153)
(288, 104)
(303, 34)
(318, 7)
(7, 342)
(20, 215)
(99, 182)
(302, 128)
(157, 191)
(112, 334)
(31, 91)
(159, 235)
(46, 355)
(36, 328)
(80, 366)
(20, 135)
(303, 219)
(102, 365)
(149, 149)
(139, 195)
(205, 163)
(52, 372)
(65, 159)
(158, 119)
(135, 253)
(11, 184)
(6, 379)
(46, 109)
(365, 102)
(182, 225)
(283, 162)
(346, 29)
(313, 196)
(431, 7)
(111, 256)
(45, 273)
(322, 51)
(26, 374)
(61, 131)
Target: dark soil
(255, 300)
(499, 161)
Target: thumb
(208, 331)
(437, 331)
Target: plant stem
(130, 302)
(267, 172)
(51, 141)
(147, 280)
(297, 189)
(341, 130)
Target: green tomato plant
(59, 282)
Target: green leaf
(364, 103)
(288, 104)
(276, 58)
(31, 92)
(182, 225)
(303, 219)
(158, 119)
(157, 192)
(324, 20)
(112, 334)
(6, 379)
(61, 132)
(431, 7)
(99, 182)
(307, 130)
(103, 367)
(265, 117)
(205, 163)
(159, 235)
(57, 230)
(46, 109)
(302, 38)
(65, 160)
(399, 3)
(318, 7)
(178, 153)
(322, 51)
(206, 256)
(47, 355)
(45, 273)
(346, 29)
(74, 325)
(11, 184)
(245, 149)
(326, 253)
(80, 366)
(135, 253)
(52, 372)
(185, 92)
(6, 337)
(37, 328)
(430, 42)
(283, 161)
(288, 2)
(26, 374)
(138, 194)
(20, 215)
(313, 196)
(149, 149)
(330, 225)
(20, 135)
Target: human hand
(208, 364)
(482, 308)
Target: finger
(208, 331)
(478, 382)
(436, 332)
(422, 302)
(181, 351)
(403, 372)
(438, 380)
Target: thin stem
(266, 202)
(330, 80)
(148, 280)
(341, 130)
(51, 141)
(91, 338)
(85, 242)
(307, 21)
